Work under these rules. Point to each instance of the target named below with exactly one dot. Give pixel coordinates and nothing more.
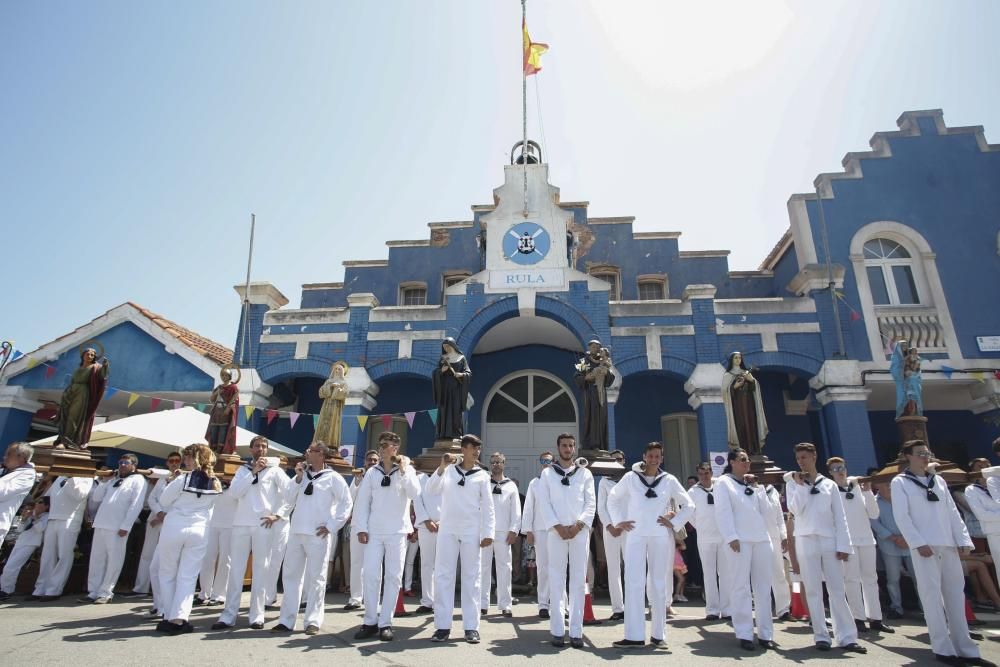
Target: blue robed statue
(905, 370)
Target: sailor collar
(657, 478)
(496, 485)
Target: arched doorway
(523, 414)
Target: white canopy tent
(159, 433)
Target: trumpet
(581, 462)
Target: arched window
(612, 276)
(413, 294)
(652, 288)
(890, 273)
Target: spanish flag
(532, 52)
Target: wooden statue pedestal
(431, 458)
(64, 462)
(912, 427)
(226, 466)
(600, 463)
(764, 469)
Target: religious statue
(334, 393)
(451, 381)
(225, 406)
(593, 376)
(80, 399)
(905, 370)
(746, 426)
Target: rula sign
(526, 278)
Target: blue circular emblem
(526, 243)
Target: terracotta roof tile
(218, 353)
(776, 251)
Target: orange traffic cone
(798, 609)
(970, 616)
(400, 609)
(588, 607)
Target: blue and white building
(904, 242)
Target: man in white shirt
(321, 502)
(67, 503)
(860, 575)
(120, 499)
(215, 568)
(467, 526)
(741, 510)
(427, 508)
(614, 542)
(640, 505)
(259, 488)
(532, 527)
(357, 550)
(382, 521)
(507, 509)
(35, 517)
(775, 520)
(16, 480)
(709, 544)
(565, 497)
(822, 542)
(154, 523)
(932, 527)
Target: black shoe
(256, 626)
(558, 642)
(85, 600)
(822, 646)
(472, 636)
(482, 613)
(768, 644)
(628, 643)
(181, 629)
(861, 627)
(979, 661)
(423, 609)
(653, 641)
(351, 606)
(879, 626)
(163, 626)
(784, 618)
(543, 613)
(441, 636)
(617, 616)
(507, 613)
(198, 602)
(385, 634)
(32, 598)
(748, 645)
(281, 627)
(272, 607)
(977, 636)
(130, 595)
(576, 642)
(366, 631)
(219, 625)
(48, 598)
(894, 615)
(854, 648)
(950, 659)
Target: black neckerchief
(463, 475)
(199, 483)
(814, 485)
(122, 479)
(309, 487)
(747, 490)
(849, 490)
(63, 483)
(708, 493)
(249, 466)
(983, 489)
(929, 486)
(651, 485)
(31, 522)
(386, 476)
(497, 485)
(562, 473)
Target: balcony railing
(918, 325)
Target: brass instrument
(581, 462)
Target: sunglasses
(545, 462)
(924, 454)
(838, 469)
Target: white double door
(523, 415)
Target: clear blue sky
(137, 137)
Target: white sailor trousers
(750, 569)
(779, 580)
(244, 541)
(107, 555)
(279, 541)
(614, 549)
(542, 568)
(861, 581)
(449, 547)
(57, 557)
(716, 588)
(19, 555)
(215, 568)
(655, 555)
(180, 553)
(391, 549)
(941, 587)
(817, 557)
(575, 553)
(500, 551)
(142, 578)
(428, 554)
(306, 557)
(357, 568)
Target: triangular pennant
(980, 376)
(271, 415)
(154, 403)
(409, 417)
(178, 405)
(17, 355)
(32, 362)
(248, 411)
(433, 414)
(50, 371)
(109, 392)
(387, 422)
(293, 417)
(315, 422)
(855, 316)
(996, 374)
(947, 370)
(201, 407)
(362, 421)
(132, 398)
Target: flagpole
(524, 108)
(246, 295)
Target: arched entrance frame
(504, 309)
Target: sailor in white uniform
(507, 509)
(427, 509)
(640, 505)
(614, 542)
(214, 577)
(321, 504)
(68, 502)
(468, 524)
(709, 544)
(778, 531)
(535, 532)
(986, 507)
(154, 523)
(357, 550)
(17, 477)
(36, 516)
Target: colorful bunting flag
(50, 371)
(32, 362)
(17, 355)
(980, 376)
(271, 415)
(248, 410)
(178, 405)
(315, 422)
(996, 374)
(201, 407)
(109, 392)
(409, 417)
(293, 417)
(153, 404)
(362, 421)
(132, 398)
(947, 370)
(433, 414)
(855, 315)
(387, 422)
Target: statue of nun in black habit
(451, 390)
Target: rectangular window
(651, 290)
(876, 281)
(611, 279)
(906, 289)
(414, 296)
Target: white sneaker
(680, 598)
